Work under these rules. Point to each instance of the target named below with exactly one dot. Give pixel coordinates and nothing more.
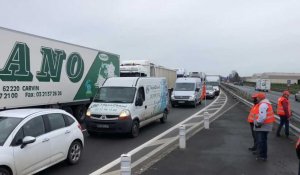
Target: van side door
(140, 106)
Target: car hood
(216, 88)
(210, 91)
(108, 108)
(183, 93)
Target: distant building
(276, 77)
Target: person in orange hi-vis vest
(203, 95)
(284, 112)
(263, 123)
(298, 153)
(251, 122)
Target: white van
(187, 91)
(263, 85)
(125, 104)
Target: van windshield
(115, 95)
(7, 125)
(213, 83)
(184, 87)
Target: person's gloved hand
(258, 125)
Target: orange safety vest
(280, 110)
(252, 114)
(270, 114)
(203, 93)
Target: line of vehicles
(49, 87)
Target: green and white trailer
(41, 72)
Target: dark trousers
(253, 135)
(262, 143)
(283, 121)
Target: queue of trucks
(92, 85)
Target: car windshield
(213, 83)
(115, 95)
(209, 87)
(184, 87)
(7, 125)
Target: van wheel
(74, 153)
(164, 118)
(4, 171)
(135, 129)
(79, 113)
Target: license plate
(102, 126)
(181, 102)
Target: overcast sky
(212, 36)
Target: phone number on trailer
(43, 94)
(8, 95)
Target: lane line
(116, 161)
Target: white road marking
(134, 151)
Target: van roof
(179, 80)
(121, 81)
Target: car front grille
(182, 97)
(105, 116)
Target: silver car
(297, 96)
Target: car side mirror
(197, 89)
(27, 140)
(139, 102)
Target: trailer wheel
(79, 113)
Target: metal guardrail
(245, 98)
(247, 95)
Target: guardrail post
(182, 137)
(125, 164)
(206, 120)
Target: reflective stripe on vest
(270, 114)
(280, 110)
(251, 116)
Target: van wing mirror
(197, 89)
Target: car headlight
(125, 114)
(192, 97)
(172, 96)
(88, 112)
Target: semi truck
(145, 68)
(200, 75)
(181, 72)
(214, 80)
(41, 72)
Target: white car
(210, 91)
(34, 139)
